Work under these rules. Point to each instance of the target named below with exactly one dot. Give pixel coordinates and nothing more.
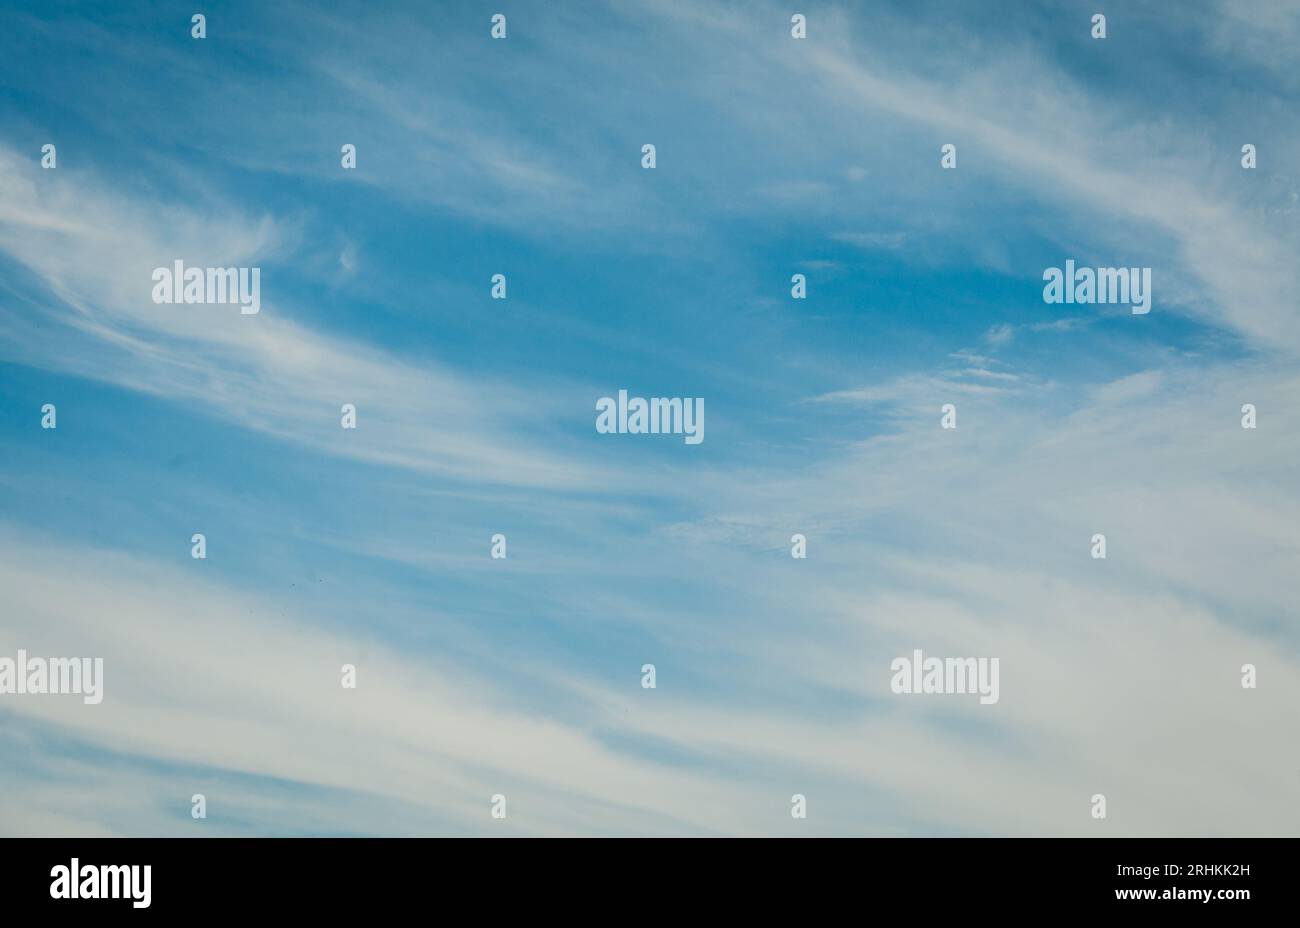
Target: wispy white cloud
(208, 676)
(273, 372)
(1007, 113)
(914, 391)
(872, 240)
(1104, 662)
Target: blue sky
(775, 156)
